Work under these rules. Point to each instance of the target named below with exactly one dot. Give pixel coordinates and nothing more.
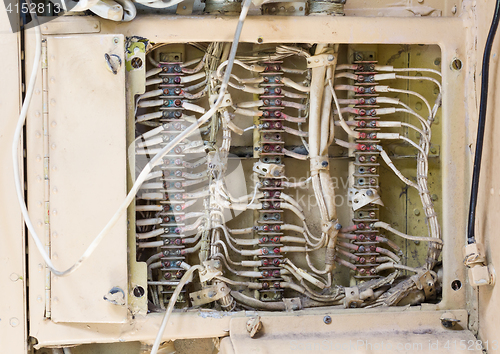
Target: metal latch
(321, 60)
(226, 101)
(212, 270)
(209, 294)
(362, 197)
(254, 325)
(268, 170)
(354, 298)
(292, 304)
(424, 280)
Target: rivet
(52, 80)
(37, 91)
(40, 267)
(39, 299)
(38, 134)
(53, 102)
(14, 277)
(54, 212)
(116, 40)
(54, 234)
(39, 224)
(53, 124)
(14, 322)
(55, 256)
(96, 26)
(38, 158)
(37, 114)
(416, 212)
(45, 28)
(53, 146)
(40, 203)
(39, 178)
(55, 300)
(54, 190)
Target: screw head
(327, 319)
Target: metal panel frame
(454, 40)
(13, 325)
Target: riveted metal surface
(455, 172)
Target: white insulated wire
(343, 123)
(171, 304)
(405, 77)
(416, 69)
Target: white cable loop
(142, 176)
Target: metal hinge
(46, 165)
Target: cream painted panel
(12, 246)
(87, 175)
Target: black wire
(481, 124)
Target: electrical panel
(279, 181)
